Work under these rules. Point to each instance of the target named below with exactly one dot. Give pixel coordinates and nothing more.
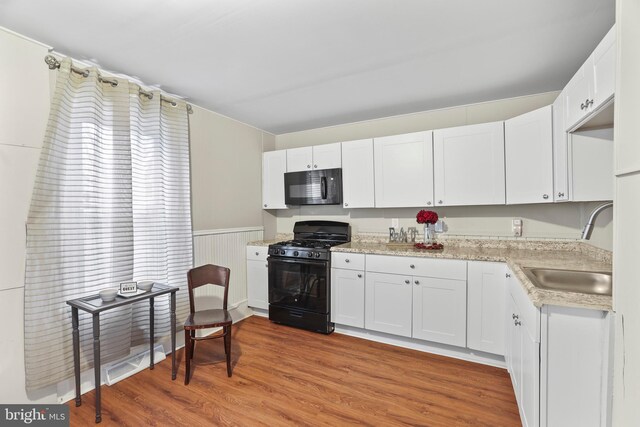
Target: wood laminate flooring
(286, 376)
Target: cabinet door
(257, 284)
(299, 159)
(560, 153)
(486, 313)
(592, 165)
(347, 297)
(440, 310)
(357, 174)
(514, 348)
(604, 69)
(274, 165)
(404, 170)
(469, 165)
(577, 93)
(388, 303)
(327, 156)
(528, 141)
(530, 386)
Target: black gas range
(300, 275)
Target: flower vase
(429, 234)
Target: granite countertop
(549, 254)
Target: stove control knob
(317, 254)
(309, 254)
(295, 253)
(282, 252)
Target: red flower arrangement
(426, 217)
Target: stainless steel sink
(587, 282)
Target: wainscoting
(226, 247)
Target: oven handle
(323, 187)
(297, 261)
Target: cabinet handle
(514, 316)
(582, 106)
(560, 194)
(315, 166)
(346, 204)
(545, 196)
(439, 202)
(257, 253)
(407, 281)
(417, 282)
(412, 266)
(308, 166)
(517, 323)
(359, 276)
(346, 260)
(266, 265)
(589, 102)
(507, 275)
(265, 206)
(428, 203)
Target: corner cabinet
(528, 141)
(326, 156)
(404, 170)
(469, 165)
(358, 174)
(257, 277)
(274, 166)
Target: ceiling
(288, 65)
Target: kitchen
(219, 215)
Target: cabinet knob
(412, 266)
(265, 206)
(428, 203)
(514, 316)
(517, 322)
(417, 282)
(257, 253)
(560, 194)
(346, 204)
(266, 265)
(308, 166)
(407, 281)
(439, 202)
(507, 275)
(346, 260)
(315, 166)
(545, 196)
(359, 276)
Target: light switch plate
(516, 227)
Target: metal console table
(94, 305)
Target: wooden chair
(203, 319)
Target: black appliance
(300, 275)
(315, 187)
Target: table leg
(96, 363)
(76, 352)
(173, 335)
(151, 331)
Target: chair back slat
(208, 274)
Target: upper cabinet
(404, 170)
(528, 141)
(357, 174)
(593, 85)
(560, 153)
(274, 165)
(469, 165)
(325, 156)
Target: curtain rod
(53, 64)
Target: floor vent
(134, 364)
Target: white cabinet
(404, 170)
(347, 289)
(274, 165)
(591, 165)
(593, 85)
(469, 165)
(439, 310)
(388, 303)
(486, 287)
(528, 141)
(560, 152)
(357, 174)
(325, 156)
(417, 297)
(523, 351)
(257, 277)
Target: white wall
(626, 286)
(561, 220)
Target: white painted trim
(29, 39)
(424, 346)
(227, 230)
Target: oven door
(316, 187)
(299, 283)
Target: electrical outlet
(394, 222)
(516, 227)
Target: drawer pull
(407, 281)
(412, 266)
(514, 316)
(517, 323)
(346, 260)
(359, 276)
(417, 282)
(257, 253)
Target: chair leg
(193, 343)
(227, 348)
(187, 356)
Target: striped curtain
(111, 203)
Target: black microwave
(316, 187)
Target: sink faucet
(588, 228)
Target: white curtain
(111, 203)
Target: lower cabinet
(388, 303)
(257, 277)
(486, 306)
(347, 297)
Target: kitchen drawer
(258, 253)
(349, 261)
(424, 267)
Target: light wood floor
(286, 376)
